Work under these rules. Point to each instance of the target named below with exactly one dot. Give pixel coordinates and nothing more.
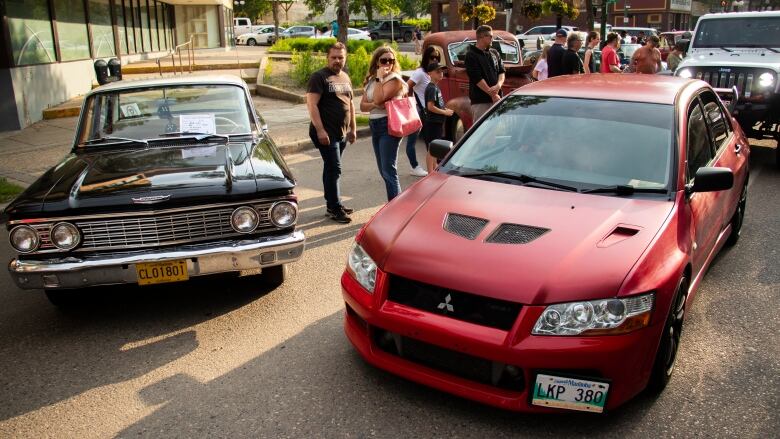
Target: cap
(561, 33)
(434, 66)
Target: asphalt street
(223, 357)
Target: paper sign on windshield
(197, 123)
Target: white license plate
(570, 393)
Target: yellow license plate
(161, 272)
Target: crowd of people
(329, 98)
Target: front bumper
(119, 268)
(624, 360)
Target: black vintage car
(167, 179)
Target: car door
(704, 206)
(728, 151)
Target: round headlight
(685, 73)
(766, 79)
(25, 239)
(244, 219)
(65, 236)
(283, 214)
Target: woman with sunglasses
(417, 82)
(383, 83)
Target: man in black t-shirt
(555, 55)
(486, 72)
(572, 64)
(329, 101)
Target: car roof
(740, 15)
(655, 89)
(449, 37)
(128, 84)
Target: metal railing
(177, 51)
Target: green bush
(304, 64)
(406, 63)
(357, 65)
(424, 23)
(322, 45)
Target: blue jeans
(386, 152)
(411, 151)
(331, 169)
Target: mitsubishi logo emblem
(446, 304)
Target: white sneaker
(418, 172)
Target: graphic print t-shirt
(335, 92)
(433, 94)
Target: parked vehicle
(168, 179)
(352, 34)
(387, 29)
(541, 269)
(668, 40)
(455, 84)
(741, 50)
(241, 25)
(531, 37)
(294, 32)
(634, 31)
(259, 36)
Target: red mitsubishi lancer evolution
(548, 263)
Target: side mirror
(439, 148)
(711, 179)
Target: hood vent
(465, 226)
(515, 234)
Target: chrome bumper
(202, 259)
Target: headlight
(606, 316)
(65, 236)
(244, 219)
(766, 79)
(685, 73)
(362, 267)
(25, 239)
(283, 214)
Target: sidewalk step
(168, 68)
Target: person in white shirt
(540, 69)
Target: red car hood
(592, 242)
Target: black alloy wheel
(666, 357)
(251, 42)
(407, 37)
(739, 217)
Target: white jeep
(741, 50)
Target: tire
(407, 37)
(62, 298)
(251, 42)
(738, 218)
(666, 357)
(274, 277)
(374, 36)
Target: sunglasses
(384, 61)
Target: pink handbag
(402, 117)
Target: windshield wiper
(724, 48)
(197, 136)
(117, 140)
(758, 46)
(622, 189)
(523, 178)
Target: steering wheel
(229, 125)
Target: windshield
(509, 50)
(150, 113)
(738, 32)
(581, 142)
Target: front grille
(458, 305)
(455, 363)
(463, 225)
(746, 79)
(515, 234)
(166, 229)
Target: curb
(297, 146)
(169, 69)
(270, 91)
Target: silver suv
(741, 50)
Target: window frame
(696, 104)
(717, 145)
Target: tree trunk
(275, 13)
(342, 14)
(369, 11)
(589, 18)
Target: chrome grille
(463, 225)
(43, 233)
(515, 234)
(158, 230)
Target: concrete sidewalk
(28, 153)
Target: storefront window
(201, 23)
(29, 24)
(153, 26)
(161, 26)
(102, 31)
(145, 26)
(230, 38)
(169, 25)
(139, 47)
(72, 29)
(119, 11)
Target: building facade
(48, 47)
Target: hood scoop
(465, 226)
(618, 234)
(515, 234)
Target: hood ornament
(151, 200)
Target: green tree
(253, 9)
